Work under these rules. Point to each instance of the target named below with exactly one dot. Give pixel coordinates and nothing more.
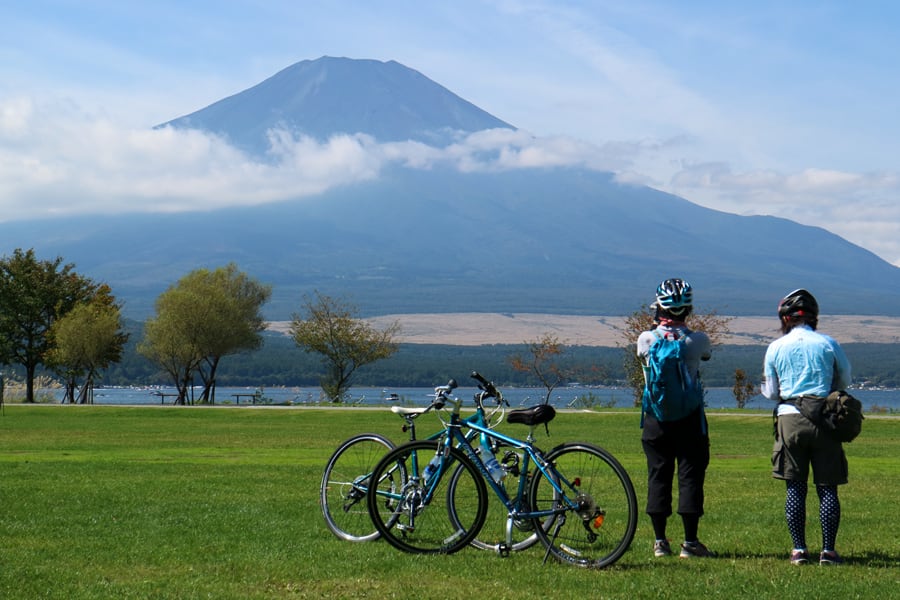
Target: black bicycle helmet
(798, 303)
(674, 296)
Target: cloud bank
(57, 160)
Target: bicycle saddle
(535, 415)
(408, 410)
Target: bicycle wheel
(493, 535)
(600, 507)
(416, 518)
(344, 485)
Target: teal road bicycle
(345, 480)
(577, 499)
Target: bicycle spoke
(599, 504)
(342, 494)
(413, 521)
(499, 534)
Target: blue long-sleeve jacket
(804, 362)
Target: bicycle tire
(601, 528)
(342, 494)
(492, 535)
(409, 522)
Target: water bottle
(490, 461)
(432, 467)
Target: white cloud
(860, 207)
(56, 159)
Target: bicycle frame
(474, 424)
(353, 489)
(531, 455)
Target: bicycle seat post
(410, 426)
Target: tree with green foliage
(163, 344)
(87, 340)
(206, 316)
(712, 324)
(330, 327)
(34, 294)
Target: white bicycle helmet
(674, 296)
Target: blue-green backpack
(671, 393)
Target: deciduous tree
(543, 361)
(206, 316)
(34, 294)
(163, 344)
(87, 340)
(331, 327)
(744, 388)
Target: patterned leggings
(829, 513)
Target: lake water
(517, 397)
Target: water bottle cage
(510, 462)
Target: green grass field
(191, 502)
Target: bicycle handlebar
(488, 388)
(442, 394)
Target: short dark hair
(788, 323)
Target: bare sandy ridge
(475, 329)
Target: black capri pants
(682, 444)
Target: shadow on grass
(872, 560)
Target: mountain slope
(554, 240)
(441, 241)
(322, 97)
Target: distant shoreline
(476, 329)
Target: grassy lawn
(189, 502)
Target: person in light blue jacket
(804, 362)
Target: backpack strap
(646, 370)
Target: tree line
(279, 362)
(57, 322)
(55, 319)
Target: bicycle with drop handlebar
(577, 498)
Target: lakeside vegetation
(191, 502)
(279, 362)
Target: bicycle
(577, 498)
(347, 475)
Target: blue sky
(766, 107)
